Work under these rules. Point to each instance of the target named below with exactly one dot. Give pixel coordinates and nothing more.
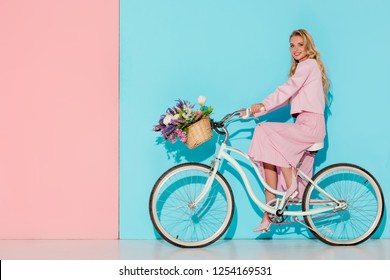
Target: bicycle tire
(365, 205)
(171, 210)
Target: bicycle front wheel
(175, 216)
(363, 213)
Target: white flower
(168, 118)
(201, 100)
(186, 112)
(186, 115)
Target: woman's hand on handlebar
(254, 109)
(257, 108)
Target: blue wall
(236, 53)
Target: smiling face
(297, 48)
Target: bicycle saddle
(315, 147)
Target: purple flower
(171, 111)
(182, 104)
(161, 121)
(179, 104)
(156, 128)
(168, 130)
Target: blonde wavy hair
(313, 53)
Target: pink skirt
(283, 144)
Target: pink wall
(59, 119)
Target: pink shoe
(264, 226)
(292, 191)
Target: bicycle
(191, 205)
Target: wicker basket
(199, 132)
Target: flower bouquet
(192, 127)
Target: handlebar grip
(247, 114)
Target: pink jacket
(304, 89)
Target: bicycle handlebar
(221, 124)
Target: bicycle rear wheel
(177, 219)
(363, 195)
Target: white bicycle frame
(224, 155)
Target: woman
(279, 146)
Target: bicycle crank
(279, 217)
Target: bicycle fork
(212, 174)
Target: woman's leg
(271, 177)
(289, 175)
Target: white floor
(309, 249)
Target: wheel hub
(192, 205)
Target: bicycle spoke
(178, 219)
(363, 198)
